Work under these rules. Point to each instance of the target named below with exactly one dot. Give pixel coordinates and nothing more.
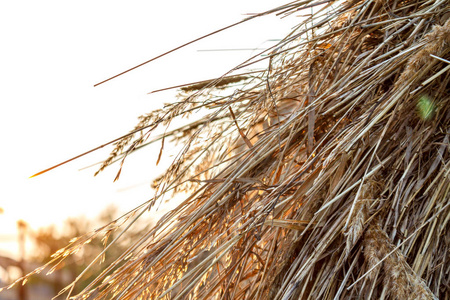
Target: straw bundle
(325, 176)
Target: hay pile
(325, 176)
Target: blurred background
(52, 54)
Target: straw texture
(325, 176)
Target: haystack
(325, 176)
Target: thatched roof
(325, 176)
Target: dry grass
(325, 176)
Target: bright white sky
(52, 54)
